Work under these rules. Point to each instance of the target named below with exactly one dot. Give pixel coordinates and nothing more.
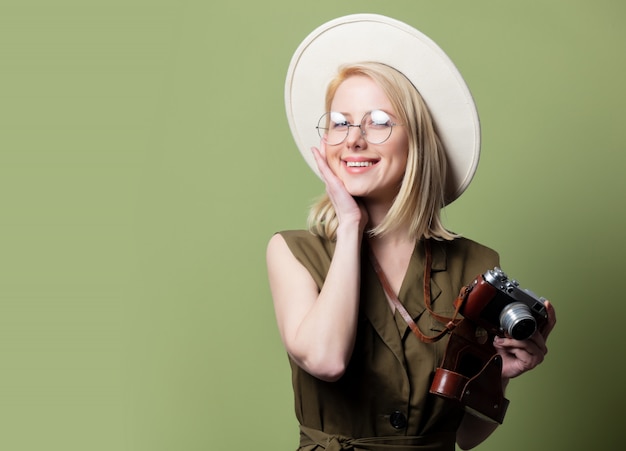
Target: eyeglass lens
(375, 127)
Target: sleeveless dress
(382, 402)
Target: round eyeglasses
(376, 127)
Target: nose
(355, 137)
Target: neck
(377, 210)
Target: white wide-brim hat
(370, 37)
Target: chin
(358, 191)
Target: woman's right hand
(348, 209)
(318, 325)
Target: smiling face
(367, 170)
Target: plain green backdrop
(145, 161)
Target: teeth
(358, 164)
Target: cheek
(332, 156)
(333, 159)
(402, 163)
(402, 152)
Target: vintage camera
(502, 307)
(471, 370)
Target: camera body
(498, 304)
(471, 370)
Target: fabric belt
(334, 442)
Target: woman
(361, 379)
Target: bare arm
(318, 329)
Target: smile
(359, 164)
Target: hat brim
(371, 37)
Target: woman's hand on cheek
(519, 356)
(348, 209)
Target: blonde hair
(421, 195)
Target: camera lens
(517, 321)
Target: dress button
(397, 420)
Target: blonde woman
(361, 379)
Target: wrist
(347, 230)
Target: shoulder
(311, 251)
(303, 242)
(299, 236)
(464, 247)
(467, 257)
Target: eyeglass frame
(360, 126)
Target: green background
(145, 160)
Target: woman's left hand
(519, 356)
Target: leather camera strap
(449, 322)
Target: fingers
(322, 165)
(539, 338)
(347, 209)
(532, 346)
(517, 357)
(333, 184)
(549, 325)
(529, 353)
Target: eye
(379, 119)
(337, 120)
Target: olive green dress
(382, 402)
